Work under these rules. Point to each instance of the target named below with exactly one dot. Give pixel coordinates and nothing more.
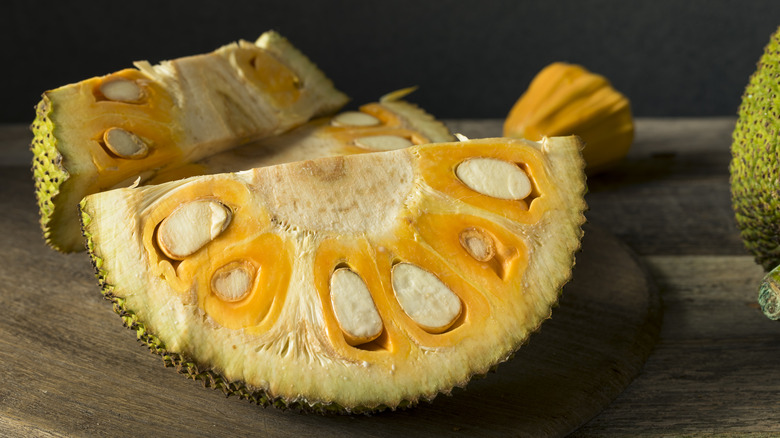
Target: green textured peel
(755, 168)
(755, 171)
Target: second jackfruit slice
(390, 123)
(348, 284)
(101, 132)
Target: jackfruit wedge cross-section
(390, 123)
(101, 132)
(346, 284)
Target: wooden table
(714, 370)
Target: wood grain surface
(715, 370)
(71, 369)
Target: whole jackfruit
(755, 166)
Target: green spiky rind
(188, 367)
(754, 169)
(48, 171)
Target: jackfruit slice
(99, 133)
(390, 123)
(345, 284)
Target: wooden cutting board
(69, 368)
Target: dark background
(471, 59)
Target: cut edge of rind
(577, 188)
(48, 173)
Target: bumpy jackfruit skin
(186, 109)
(567, 99)
(47, 168)
(755, 164)
(282, 344)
